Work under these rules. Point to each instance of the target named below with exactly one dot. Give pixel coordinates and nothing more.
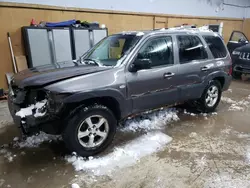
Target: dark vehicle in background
(239, 48)
(123, 74)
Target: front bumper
(242, 69)
(241, 65)
(30, 124)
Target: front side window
(238, 36)
(216, 46)
(190, 48)
(159, 51)
(111, 49)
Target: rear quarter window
(216, 46)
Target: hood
(245, 48)
(47, 74)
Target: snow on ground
(36, 140)
(123, 156)
(192, 135)
(236, 105)
(189, 113)
(34, 108)
(7, 154)
(151, 121)
(227, 180)
(74, 185)
(228, 100)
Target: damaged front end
(34, 109)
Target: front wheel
(90, 130)
(210, 98)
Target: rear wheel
(90, 131)
(210, 98)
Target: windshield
(111, 49)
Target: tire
(203, 105)
(236, 75)
(82, 135)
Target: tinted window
(191, 48)
(216, 46)
(158, 50)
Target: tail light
(230, 70)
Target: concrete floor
(206, 151)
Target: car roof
(170, 31)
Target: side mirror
(242, 40)
(140, 64)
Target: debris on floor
(36, 140)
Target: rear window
(216, 46)
(190, 48)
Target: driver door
(154, 87)
(236, 40)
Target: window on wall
(159, 51)
(190, 48)
(216, 46)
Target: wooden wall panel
(160, 22)
(13, 18)
(246, 28)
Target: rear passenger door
(194, 66)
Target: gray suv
(124, 74)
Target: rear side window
(190, 48)
(216, 46)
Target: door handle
(168, 75)
(204, 68)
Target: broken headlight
(55, 101)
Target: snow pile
(34, 108)
(236, 105)
(140, 34)
(36, 140)
(188, 113)
(124, 156)
(74, 185)
(228, 100)
(192, 135)
(7, 154)
(155, 120)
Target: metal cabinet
(54, 45)
(84, 39)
